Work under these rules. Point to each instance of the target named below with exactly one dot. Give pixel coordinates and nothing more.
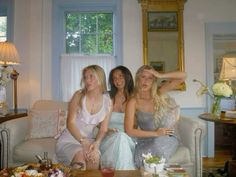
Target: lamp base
(14, 75)
(3, 103)
(3, 109)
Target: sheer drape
(71, 70)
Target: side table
(12, 114)
(231, 123)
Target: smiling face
(118, 79)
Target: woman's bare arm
(103, 127)
(173, 79)
(129, 123)
(72, 113)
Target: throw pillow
(61, 125)
(45, 124)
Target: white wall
(33, 39)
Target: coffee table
(118, 173)
(97, 173)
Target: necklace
(94, 105)
(119, 104)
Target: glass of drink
(107, 168)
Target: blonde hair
(101, 78)
(163, 103)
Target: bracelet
(81, 140)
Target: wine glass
(107, 168)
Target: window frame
(6, 9)
(58, 31)
(93, 33)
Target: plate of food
(35, 170)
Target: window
(89, 40)
(84, 33)
(3, 28)
(89, 33)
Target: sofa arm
(192, 132)
(13, 132)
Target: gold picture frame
(158, 65)
(162, 21)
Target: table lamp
(9, 57)
(228, 70)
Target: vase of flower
(215, 108)
(218, 90)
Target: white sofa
(20, 150)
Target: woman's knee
(94, 162)
(78, 161)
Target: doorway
(220, 38)
(222, 44)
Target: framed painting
(162, 21)
(158, 65)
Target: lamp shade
(228, 69)
(8, 54)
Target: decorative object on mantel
(9, 57)
(218, 91)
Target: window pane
(105, 44)
(3, 28)
(105, 22)
(89, 44)
(89, 33)
(88, 23)
(73, 45)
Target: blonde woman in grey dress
(151, 114)
(88, 108)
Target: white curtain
(71, 70)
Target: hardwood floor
(221, 156)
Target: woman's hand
(84, 141)
(164, 131)
(91, 152)
(154, 72)
(112, 130)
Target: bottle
(46, 162)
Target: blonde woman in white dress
(89, 107)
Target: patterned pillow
(45, 124)
(61, 125)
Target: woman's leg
(78, 161)
(93, 162)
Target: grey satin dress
(162, 146)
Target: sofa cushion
(181, 156)
(26, 151)
(46, 123)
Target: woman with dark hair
(117, 146)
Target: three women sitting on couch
(92, 106)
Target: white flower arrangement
(222, 89)
(218, 91)
(153, 164)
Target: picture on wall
(162, 21)
(158, 65)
